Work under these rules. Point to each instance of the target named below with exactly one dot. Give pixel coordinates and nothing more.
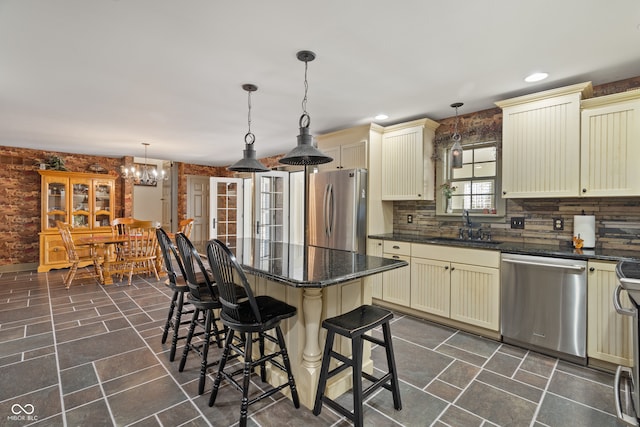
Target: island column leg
(312, 353)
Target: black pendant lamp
(248, 163)
(305, 153)
(456, 148)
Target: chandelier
(146, 175)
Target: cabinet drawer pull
(396, 247)
(396, 257)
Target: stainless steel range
(628, 273)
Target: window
(476, 183)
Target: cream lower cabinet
(396, 284)
(609, 333)
(457, 283)
(374, 248)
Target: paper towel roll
(584, 226)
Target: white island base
(305, 336)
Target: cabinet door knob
(592, 269)
(504, 193)
(453, 268)
(584, 190)
(446, 267)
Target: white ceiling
(102, 76)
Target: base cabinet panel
(608, 332)
(396, 284)
(475, 295)
(430, 287)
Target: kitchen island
(320, 283)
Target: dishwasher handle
(618, 305)
(544, 264)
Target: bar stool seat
(354, 325)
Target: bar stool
(248, 315)
(354, 325)
(178, 306)
(205, 300)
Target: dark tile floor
(92, 356)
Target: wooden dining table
(108, 244)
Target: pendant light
(248, 163)
(456, 148)
(305, 153)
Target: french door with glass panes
(272, 206)
(226, 210)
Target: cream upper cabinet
(609, 336)
(541, 143)
(347, 156)
(457, 283)
(407, 164)
(610, 145)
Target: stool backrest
(168, 250)
(226, 269)
(191, 258)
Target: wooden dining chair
(185, 226)
(120, 226)
(75, 258)
(141, 250)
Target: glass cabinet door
(102, 201)
(55, 201)
(80, 202)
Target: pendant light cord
(305, 119)
(249, 138)
(456, 135)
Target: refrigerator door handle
(332, 210)
(325, 210)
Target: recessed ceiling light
(536, 77)
(381, 116)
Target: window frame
(444, 175)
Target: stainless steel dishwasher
(544, 305)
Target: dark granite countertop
(309, 267)
(519, 248)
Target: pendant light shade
(248, 163)
(456, 148)
(305, 153)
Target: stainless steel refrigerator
(338, 209)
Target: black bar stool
(354, 325)
(252, 317)
(178, 306)
(204, 299)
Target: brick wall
(20, 198)
(617, 219)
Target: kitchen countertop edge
(518, 248)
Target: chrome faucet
(465, 218)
